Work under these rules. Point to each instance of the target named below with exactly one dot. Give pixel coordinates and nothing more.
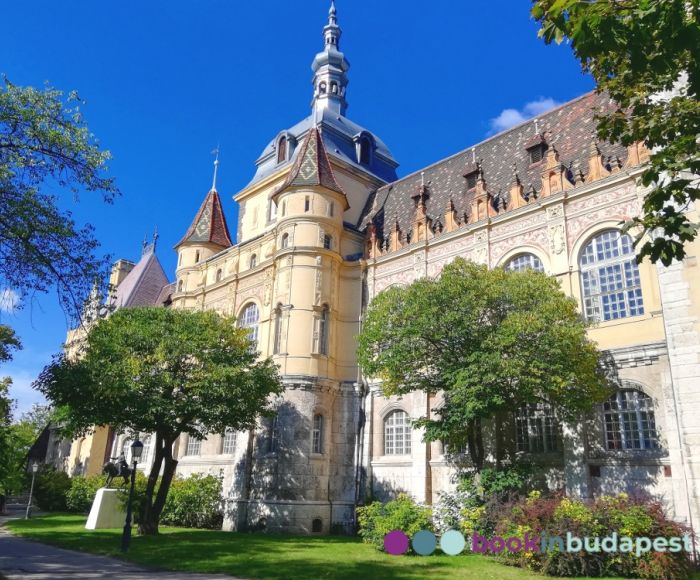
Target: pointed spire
(216, 167)
(209, 225)
(312, 167)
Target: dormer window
(471, 179)
(282, 150)
(537, 153)
(364, 150)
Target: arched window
(282, 150)
(322, 88)
(284, 243)
(321, 331)
(180, 286)
(253, 260)
(249, 319)
(397, 434)
(196, 257)
(610, 283)
(365, 147)
(219, 275)
(334, 87)
(146, 439)
(525, 262)
(317, 443)
(228, 444)
(277, 341)
(327, 241)
(629, 421)
(271, 211)
(536, 429)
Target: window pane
(610, 282)
(525, 262)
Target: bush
(194, 502)
(50, 489)
(377, 519)
(448, 510)
(82, 492)
(558, 516)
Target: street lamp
(136, 450)
(35, 468)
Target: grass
(259, 555)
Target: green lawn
(259, 555)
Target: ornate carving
(555, 211)
(556, 238)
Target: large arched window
(536, 429)
(249, 319)
(524, 262)
(629, 421)
(397, 434)
(610, 283)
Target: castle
(325, 225)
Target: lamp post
(136, 450)
(35, 468)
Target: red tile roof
(209, 225)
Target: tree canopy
(162, 371)
(46, 146)
(644, 54)
(489, 340)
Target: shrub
(448, 510)
(194, 502)
(377, 519)
(597, 519)
(50, 489)
(82, 492)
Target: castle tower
(207, 235)
(330, 67)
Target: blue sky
(166, 81)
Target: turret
(207, 235)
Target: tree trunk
(146, 508)
(475, 444)
(150, 520)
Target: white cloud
(9, 300)
(511, 117)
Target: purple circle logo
(396, 543)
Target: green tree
(8, 342)
(166, 372)
(490, 340)
(644, 54)
(44, 141)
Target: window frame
(630, 424)
(517, 263)
(251, 322)
(397, 434)
(537, 429)
(317, 434)
(610, 281)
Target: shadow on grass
(267, 556)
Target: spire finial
(537, 126)
(422, 178)
(332, 15)
(216, 167)
(155, 237)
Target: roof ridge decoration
(312, 167)
(209, 225)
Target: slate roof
(338, 134)
(570, 128)
(312, 166)
(164, 298)
(143, 285)
(209, 225)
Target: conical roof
(209, 225)
(312, 167)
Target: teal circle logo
(424, 543)
(452, 543)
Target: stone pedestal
(106, 511)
